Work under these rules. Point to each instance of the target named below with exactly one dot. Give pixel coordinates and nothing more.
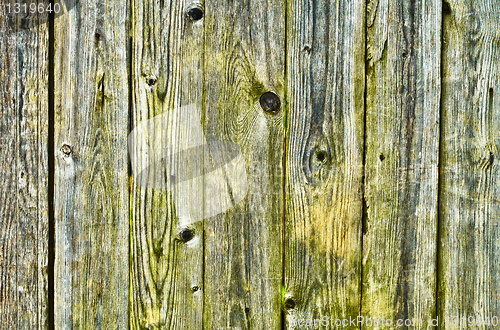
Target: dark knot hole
(186, 235)
(195, 14)
(289, 303)
(321, 156)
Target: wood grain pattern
(32, 171)
(373, 188)
(9, 121)
(470, 187)
(23, 169)
(244, 58)
(324, 158)
(167, 71)
(91, 167)
(402, 153)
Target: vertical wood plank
(23, 159)
(324, 159)
(9, 121)
(166, 247)
(244, 59)
(470, 187)
(402, 152)
(32, 174)
(91, 167)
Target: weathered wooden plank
(91, 192)
(166, 244)
(243, 246)
(470, 188)
(23, 169)
(9, 142)
(324, 158)
(402, 152)
(32, 172)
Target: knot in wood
(66, 150)
(322, 156)
(289, 303)
(186, 235)
(195, 14)
(318, 160)
(151, 80)
(270, 102)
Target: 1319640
(18, 8)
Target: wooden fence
(373, 179)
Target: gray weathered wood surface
(324, 158)
(469, 284)
(91, 188)
(372, 189)
(166, 273)
(244, 58)
(23, 172)
(402, 152)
